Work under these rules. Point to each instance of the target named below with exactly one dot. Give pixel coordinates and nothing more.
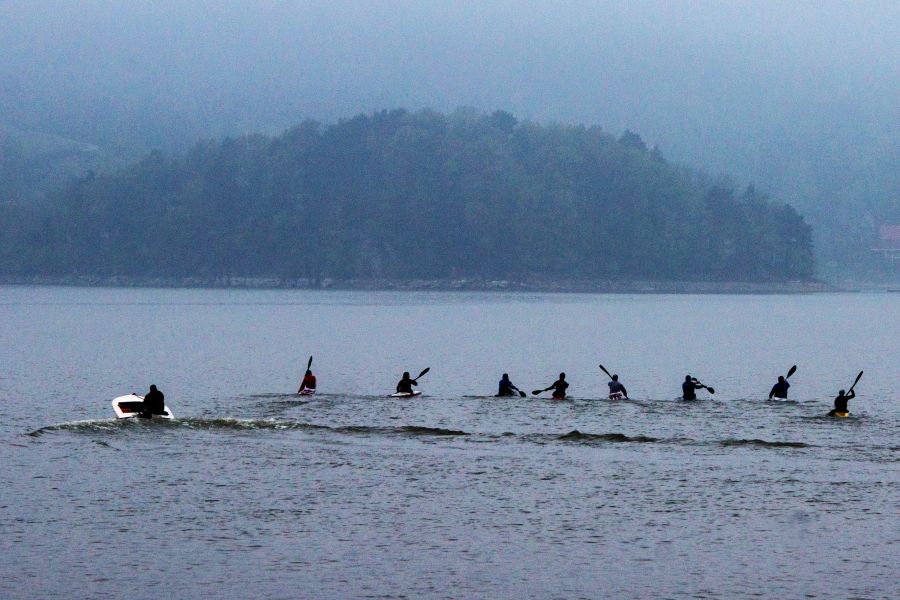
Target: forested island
(402, 196)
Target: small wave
(403, 430)
(114, 425)
(293, 396)
(763, 443)
(416, 430)
(111, 425)
(576, 435)
(90, 426)
(247, 424)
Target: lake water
(254, 492)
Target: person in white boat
(154, 403)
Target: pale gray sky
(738, 86)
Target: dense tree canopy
(411, 195)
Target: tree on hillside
(413, 195)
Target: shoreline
(437, 285)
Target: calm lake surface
(254, 492)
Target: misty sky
(713, 83)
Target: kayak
(618, 396)
(127, 407)
(406, 394)
(839, 413)
(307, 392)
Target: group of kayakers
(154, 401)
(617, 390)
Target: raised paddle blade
(791, 371)
(602, 368)
(309, 363)
(423, 372)
(704, 386)
(521, 393)
(858, 377)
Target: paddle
(512, 387)
(791, 371)
(858, 377)
(706, 387)
(536, 392)
(422, 373)
(521, 393)
(308, 365)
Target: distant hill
(411, 195)
(33, 164)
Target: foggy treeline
(800, 98)
(412, 195)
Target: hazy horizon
(800, 98)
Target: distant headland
(466, 199)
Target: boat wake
(115, 426)
(764, 443)
(87, 426)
